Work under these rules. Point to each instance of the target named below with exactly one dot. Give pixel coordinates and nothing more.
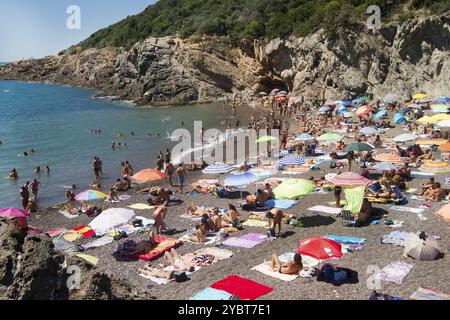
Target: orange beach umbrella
(148, 175)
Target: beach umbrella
(110, 219)
(348, 179)
(240, 179)
(422, 249)
(444, 124)
(89, 195)
(320, 248)
(347, 114)
(445, 147)
(274, 91)
(324, 109)
(440, 117)
(439, 108)
(358, 100)
(419, 96)
(388, 157)
(415, 106)
(262, 93)
(330, 136)
(368, 130)
(292, 160)
(406, 137)
(148, 175)
(218, 168)
(385, 166)
(341, 109)
(380, 114)
(399, 118)
(432, 142)
(261, 173)
(293, 189)
(265, 139)
(425, 119)
(435, 166)
(361, 112)
(11, 213)
(359, 147)
(390, 98)
(442, 100)
(304, 137)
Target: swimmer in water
(182, 124)
(32, 151)
(113, 145)
(132, 133)
(37, 170)
(25, 154)
(13, 174)
(47, 169)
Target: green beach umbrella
(359, 147)
(265, 139)
(293, 188)
(330, 136)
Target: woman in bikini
(291, 267)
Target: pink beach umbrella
(11, 213)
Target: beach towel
(85, 231)
(307, 261)
(140, 206)
(379, 200)
(124, 197)
(444, 212)
(71, 235)
(164, 244)
(345, 239)
(211, 294)
(98, 243)
(257, 237)
(325, 209)
(91, 259)
(429, 294)
(407, 209)
(210, 239)
(280, 203)
(242, 243)
(145, 221)
(56, 232)
(256, 223)
(418, 174)
(394, 272)
(218, 253)
(411, 190)
(242, 287)
(396, 237)
(355, 197)
(266, 268)
(68, 215)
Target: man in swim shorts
(181, 174)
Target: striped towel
(428, 294)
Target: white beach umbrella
(444, 123)
(111, 218)
(422, 249)
(406, 137)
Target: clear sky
(36, 28)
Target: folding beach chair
(347, 218)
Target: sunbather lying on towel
(70, 209)
(172, 258)
(194, 210)
(204, 189)
(290, 267)
(158, 273)
(144, 245)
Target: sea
(56, 121)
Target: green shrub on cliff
(249, 18)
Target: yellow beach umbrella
(426, 119)
(419, 96)
(440, 116)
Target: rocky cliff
(402, 59)
(30, 269)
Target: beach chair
(347, 218)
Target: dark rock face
(411, 57)
(30, 269)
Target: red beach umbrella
(348, 179)
(11, 213)
(320, 248)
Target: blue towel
(345, 239)
(211, 294)
(280, 203)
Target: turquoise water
(56, 120)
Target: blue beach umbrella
(442, 100)
(359, 100)
(292, 161)
(380, 114)
(342, 108)
(218, 168)
(304, 137)
(399, 118)
(240, 179)
(324, 109)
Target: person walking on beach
(169, 172)
(24, 195)
(35, 188)
(181, 174)
(167, 155)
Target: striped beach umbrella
(368, 131)
(348, 179)
(148, 175)
(11, 213)
(304, 137)
(435, 166)
(385, 166)
(240, 179)
(388, 157)
(218, 168)
(89, 195)
(361, 112)
(406, 137)
(292, 161)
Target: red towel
(152, 255)
(85, 231)
(242, 287)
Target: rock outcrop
(401, 59)
(30, 269)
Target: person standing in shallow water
(96, 167)
(24, 195)
(35, 188)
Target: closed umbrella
(240, 179)
(218, 168)
(304, 137)
(265, 139)
(359, 147)
(348, 179)
(422, 248)
(368, 131)
(293, 189)
(330, 136)
(320, 248)
(148, 175)
(406, 137)
(89, 195)
(292, 161)
(11, 213)
(110, 219)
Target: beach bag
(180, 277)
